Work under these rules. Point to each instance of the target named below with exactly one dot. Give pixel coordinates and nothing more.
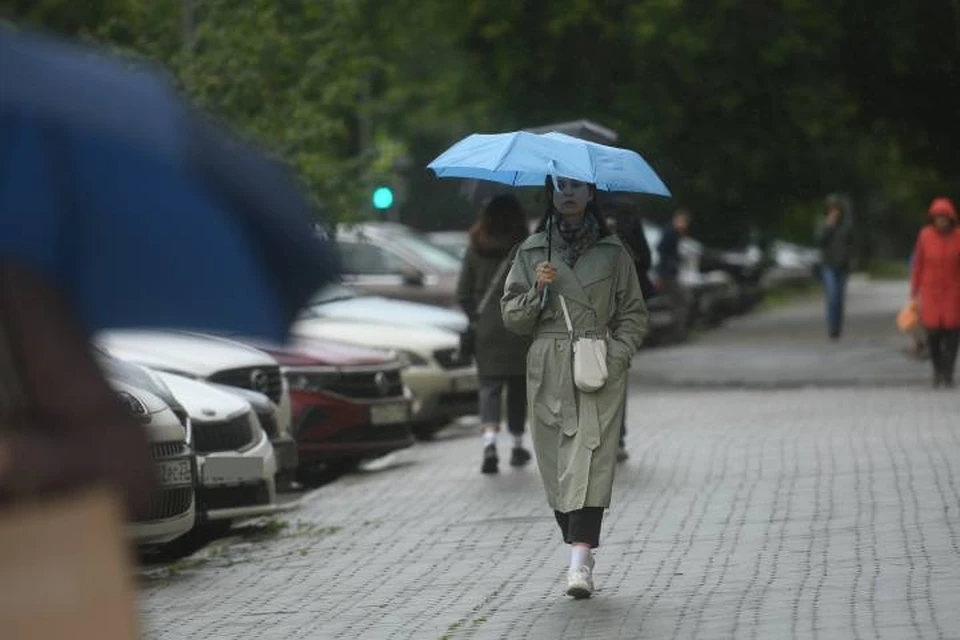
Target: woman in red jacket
(935, 285)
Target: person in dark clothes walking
(501, 355)
(935, 287)
(628, 226)
(668, 268)
(835, 239)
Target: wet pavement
(809, 496)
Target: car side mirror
(412, 276)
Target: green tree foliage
(751, 111)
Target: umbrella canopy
(478, 190)
(521, 158)
(142, 213)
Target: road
(780, 486)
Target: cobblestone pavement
(743, 513)
(788, 347)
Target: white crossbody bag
(589, 358)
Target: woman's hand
(546, 274)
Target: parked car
(455, 243)
(217, 360)
(344, 303)
(393, 260)
(746, 266)
(172, 512)
(443, 385)
(236, 460)
(349, 403)
(706, 293)
(792, 264)
(716, 291)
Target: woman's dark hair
(593, 209)
(502, 220)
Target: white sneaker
(580, 582)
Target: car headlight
(411, 359)
(134, 406)
(310, 381)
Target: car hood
(197, 355)
(138, 376)
(204, 402)
(378, 309)
(319, 352)
(381, 336)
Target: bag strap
(566, 314)
(501, 270)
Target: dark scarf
(572, 241)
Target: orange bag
(908, 318)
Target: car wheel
(426, 431)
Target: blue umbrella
(521, 158)
(141, 212)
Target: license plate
(175, 473)
(466, 383)
(389, 413)
(232, 470)
(659, 318)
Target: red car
(349, 403)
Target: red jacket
(936, 275)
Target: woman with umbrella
(584, 312)
(592, 289)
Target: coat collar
(539, 240)
(570, 282)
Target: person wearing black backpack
(629, 227)
(500, 354)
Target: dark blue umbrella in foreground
(144, 214)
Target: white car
(443, 387)
(344, 303)
(216, 360)
(234, 455)
(172, 512)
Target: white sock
(517, 442)
(579, 556)
(489, 437)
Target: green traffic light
(382, 197)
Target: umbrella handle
(549, 230)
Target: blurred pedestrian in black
(668, 268)
(628, 225)
(500, 354)
(835, 239)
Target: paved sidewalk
(743, 514)
(788, 347)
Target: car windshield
(437, 258)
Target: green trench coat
(575, 434)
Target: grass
(888, 270)
(781, 296)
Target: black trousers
(582, 525)
(491, 392)
(943, 345)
